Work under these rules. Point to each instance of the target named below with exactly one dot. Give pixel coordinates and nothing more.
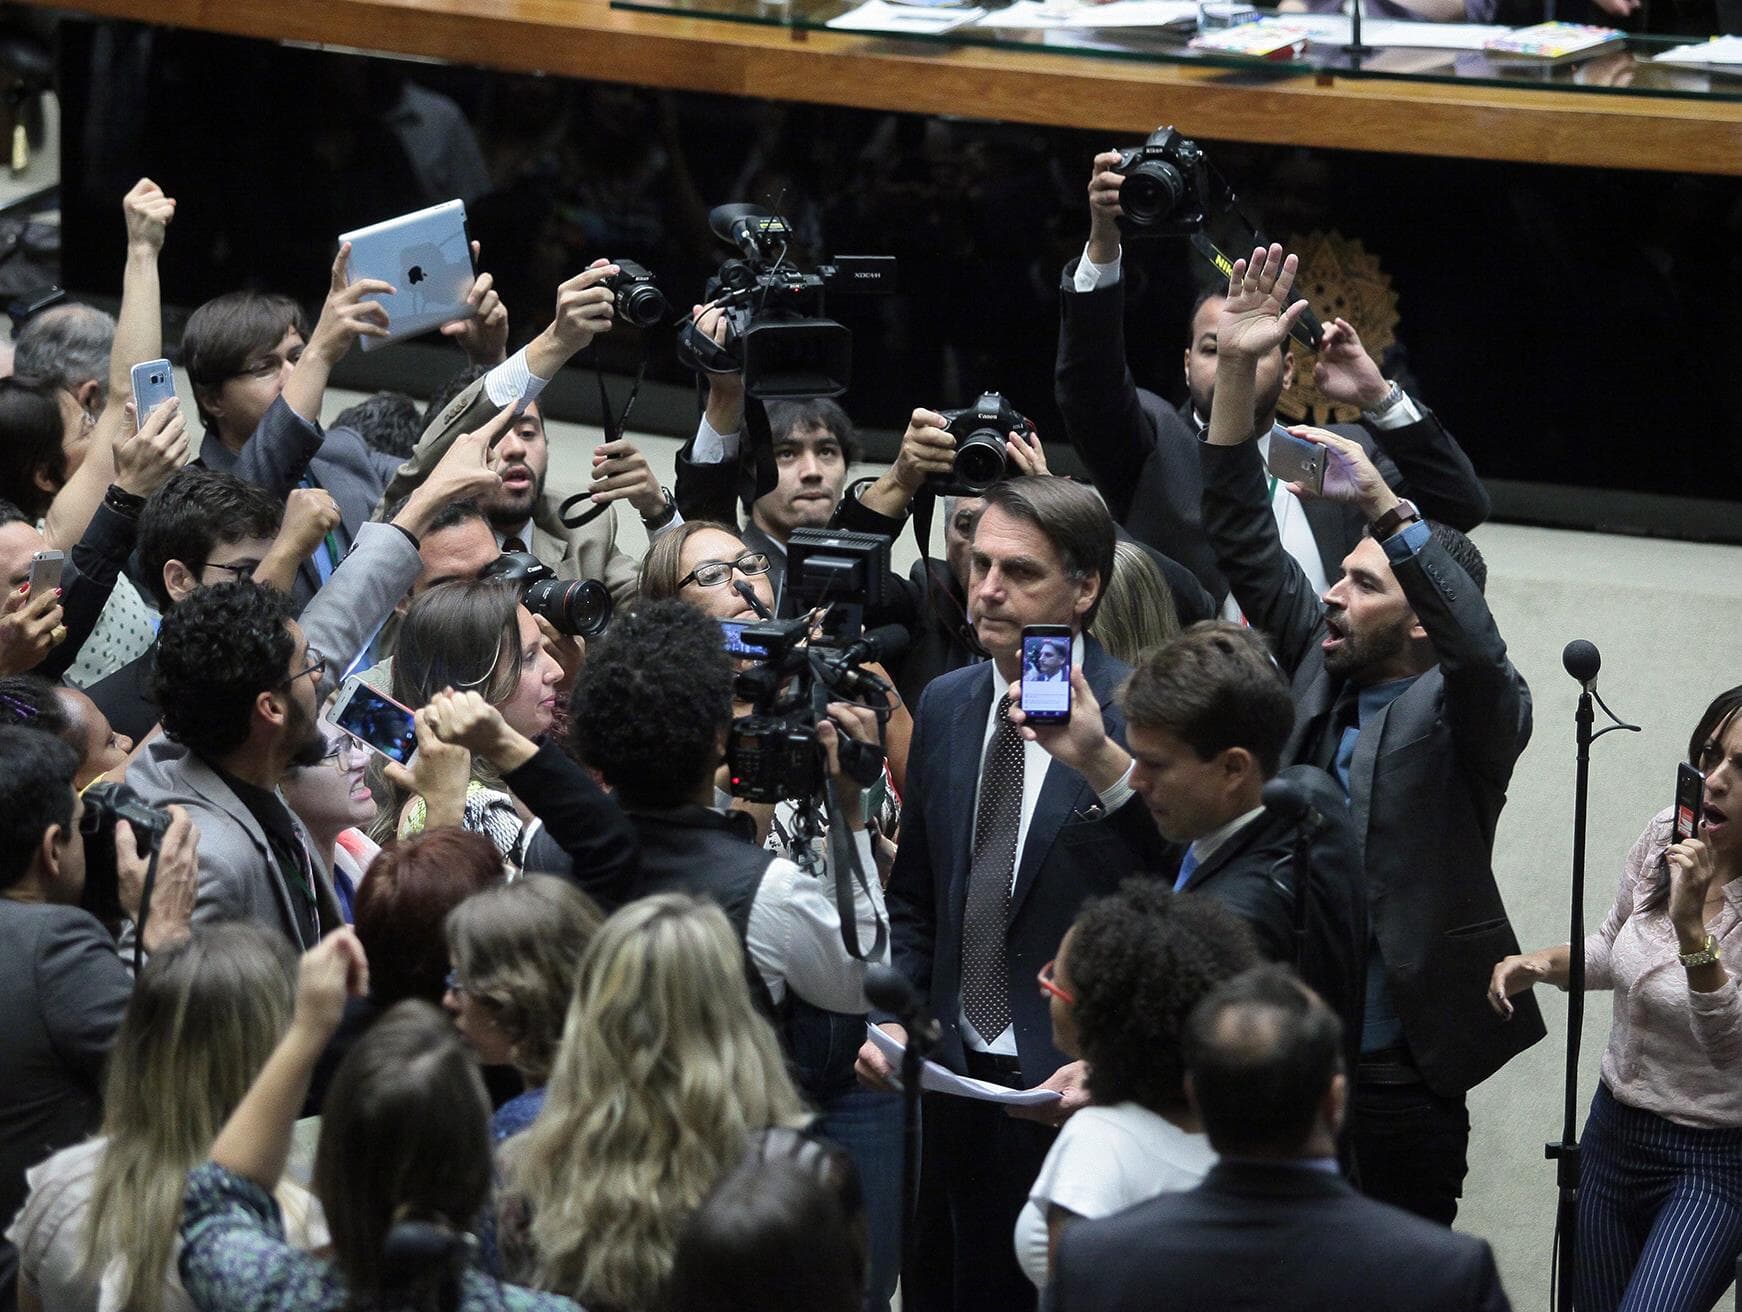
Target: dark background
(1578, 329)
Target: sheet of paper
(1073, 13)
(881, 16)
(1331, 29)
(937, 1079)
(1723, 50)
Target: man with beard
(1404, 694)
(237, 681)
(1141, 452)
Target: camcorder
(638, 300)
(777, 332)
(578, 606)
(773, 753)
(105, 803)
(980, 431)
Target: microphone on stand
(1582, 660)
(1285, 799)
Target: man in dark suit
(1403, 692)
(1273, 1226)
(1142, 454)
(1000, 847)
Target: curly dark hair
(216, 652)
(652, 703)
(1139, 962)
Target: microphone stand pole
(1565, 1152)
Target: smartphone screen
(45, 571)
(1046, 673)
(1690, 793)
(732, 635)
(376, 721)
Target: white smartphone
(45, 572)
(153, 384)
(374, 719)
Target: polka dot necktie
(985, 981)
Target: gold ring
(58, 635)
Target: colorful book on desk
(1554, 41)
(1268, 38)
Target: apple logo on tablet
(415, 274)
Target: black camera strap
(145, 906)
(613, 424)
(849, 872)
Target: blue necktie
(1187, 868)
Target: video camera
(773, 753)
(578, 606)
(776, 333)
(105, 803)
(980, 431)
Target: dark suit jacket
(1142, 453)
(1427, 783)
(1252, 874)
(1071, 853)
(1255, 1237)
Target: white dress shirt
(794, 934)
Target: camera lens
(980, 459)
(578, 606)
(1151, 192)
(642, 305)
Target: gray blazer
(283, 448)
(587, 552)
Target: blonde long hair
(1137, 612)
(665, 1070)
(203, 1019)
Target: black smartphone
(375, 720)
(1046, 673)
(1690, 793)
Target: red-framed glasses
(1050, 985)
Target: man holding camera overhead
(1142, 452)
(524, 516)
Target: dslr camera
(777, 335)
(1166, 184)
(980, 431)
(105, 803)
(578, 606)
(638, 299)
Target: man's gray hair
(65, 346)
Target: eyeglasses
(1049, 985)
(317, 666)
(342, 747)
(712, 573)
(268, 366)
(451, 981)
(240, 572)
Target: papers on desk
(937, 1079)
(882, 16)
(1333, 29)
(1074, 13)
(1720, 52)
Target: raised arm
(138, 337)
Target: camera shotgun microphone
(878, 646)
(1582, 660)
(747, 592)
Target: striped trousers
(1660, 1212)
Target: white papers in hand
(881, 16)
(938, 1079)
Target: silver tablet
(427, 257)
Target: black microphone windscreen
(1284, 798)
(887, 989)
(747, 592)
(887, 643)
(1582, 659)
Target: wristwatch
(1402, 513)
(1390, 402)
(1704, 957)
(660, 518)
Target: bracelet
(660, 518)
(1706, 956)
(123, 502)
(1393, 399)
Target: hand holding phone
(45, 571)
(1690, 795)
(375, 720)
(1046, 673)
(153, 384)
(1295, 460)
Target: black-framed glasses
(317, 666)
(712, 573)
(240, 571)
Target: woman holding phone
(1660, 1197)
